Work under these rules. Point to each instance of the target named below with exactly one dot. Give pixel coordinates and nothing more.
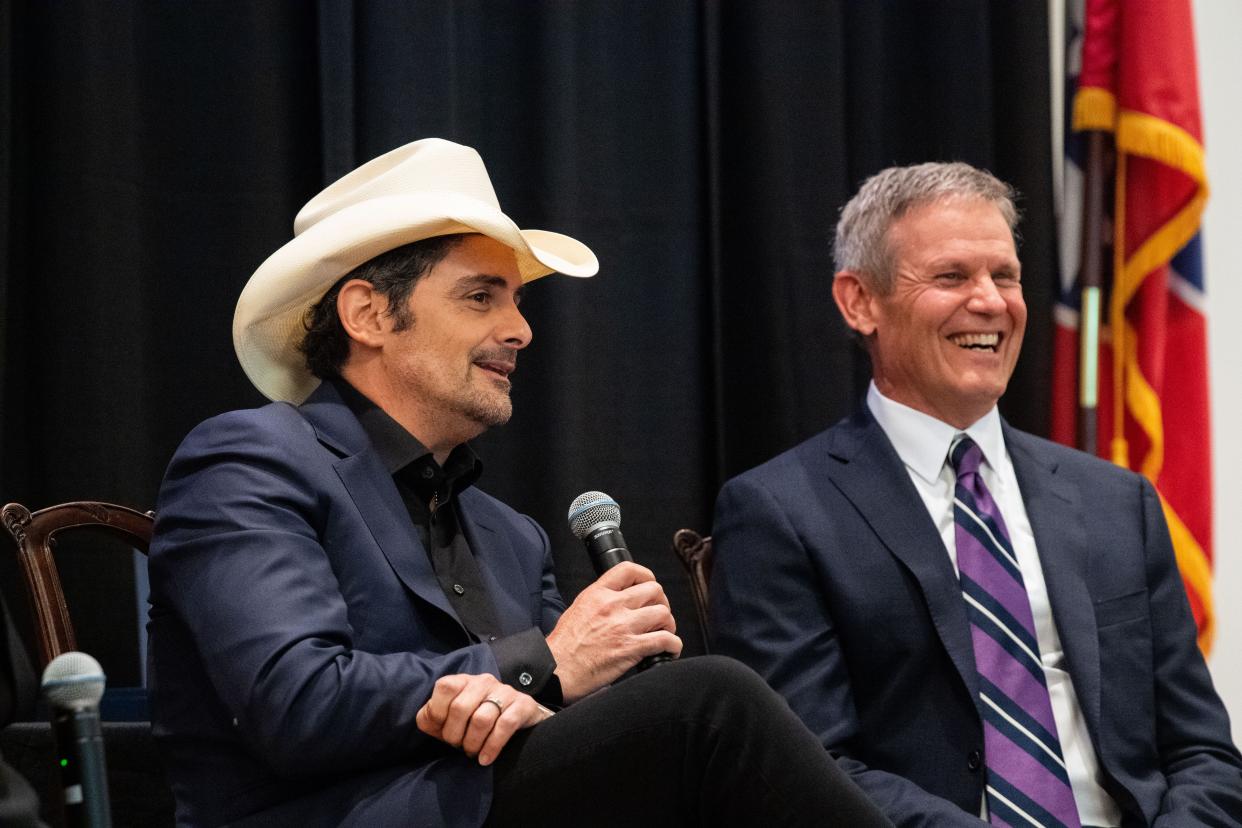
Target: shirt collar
(399, 449)
(922, 442)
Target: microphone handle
(652, 660)
(607, 548)
(83, 769)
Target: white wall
(1218, 26)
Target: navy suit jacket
(296, 626)
(832, 582)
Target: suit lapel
(374, 494)
(498, 564)
(1054, 507)
(866, 469)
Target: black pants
(697, 742)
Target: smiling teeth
(495, 367)
(985, 340)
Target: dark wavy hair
(394, 274)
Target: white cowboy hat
(427, 188)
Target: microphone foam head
(73, 680)
(589, 510)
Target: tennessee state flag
(1138, 81)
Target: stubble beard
(488, 410)
(487, 406)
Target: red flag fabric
(1138, 81)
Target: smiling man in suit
(975, 622)
(346, 632)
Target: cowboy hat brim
(268, 325)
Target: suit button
(525, 679)
(974, 760)
(459, 589)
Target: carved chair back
(695, 553)
(35, 535)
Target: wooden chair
(137, 784)
(695, 553)
(35, 535)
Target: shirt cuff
(527, 664)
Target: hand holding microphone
(617, 622)
(595, 519)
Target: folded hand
(477, 713)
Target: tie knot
(966, 457)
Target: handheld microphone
(73, 684)
(595, 519)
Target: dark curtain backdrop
(153, 154)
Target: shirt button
(459, 589)
(428, 472)
(234, 722)
(525, 679)
(974, 760)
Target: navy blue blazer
(296, 626)
(832, 582)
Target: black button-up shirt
(429, 492)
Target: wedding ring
(500, 708)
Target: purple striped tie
(1027, 783)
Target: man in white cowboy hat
(344, 631)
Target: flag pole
(1091, 280)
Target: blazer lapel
(374, 495)
(865, 467)
(498, 564)
(1054, 507)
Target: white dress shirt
(922, 442)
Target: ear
(854, 300)
(361, 310)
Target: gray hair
(862, 233)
